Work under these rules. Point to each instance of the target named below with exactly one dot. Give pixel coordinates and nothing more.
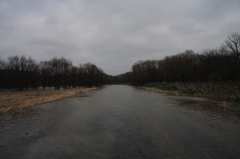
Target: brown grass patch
(19, 104)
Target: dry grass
(21, 103)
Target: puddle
(219, 110)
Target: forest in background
(21, 73)
(211, 65)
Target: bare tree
(74, 76)
(33, 73)
(66, 66)
(2, 73)
(55, 67)
(233, 44)
(45, 74)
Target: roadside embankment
(226, 90)
(17, 104)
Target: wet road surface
(119, 122)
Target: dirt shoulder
(15, 104)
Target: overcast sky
(113, 34)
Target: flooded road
(121, 122)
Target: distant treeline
(211, 65)
(21, 73)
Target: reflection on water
(213, 110)
(123, 122)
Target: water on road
(121, 122)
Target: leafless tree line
(211, 65)
(21, 73)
